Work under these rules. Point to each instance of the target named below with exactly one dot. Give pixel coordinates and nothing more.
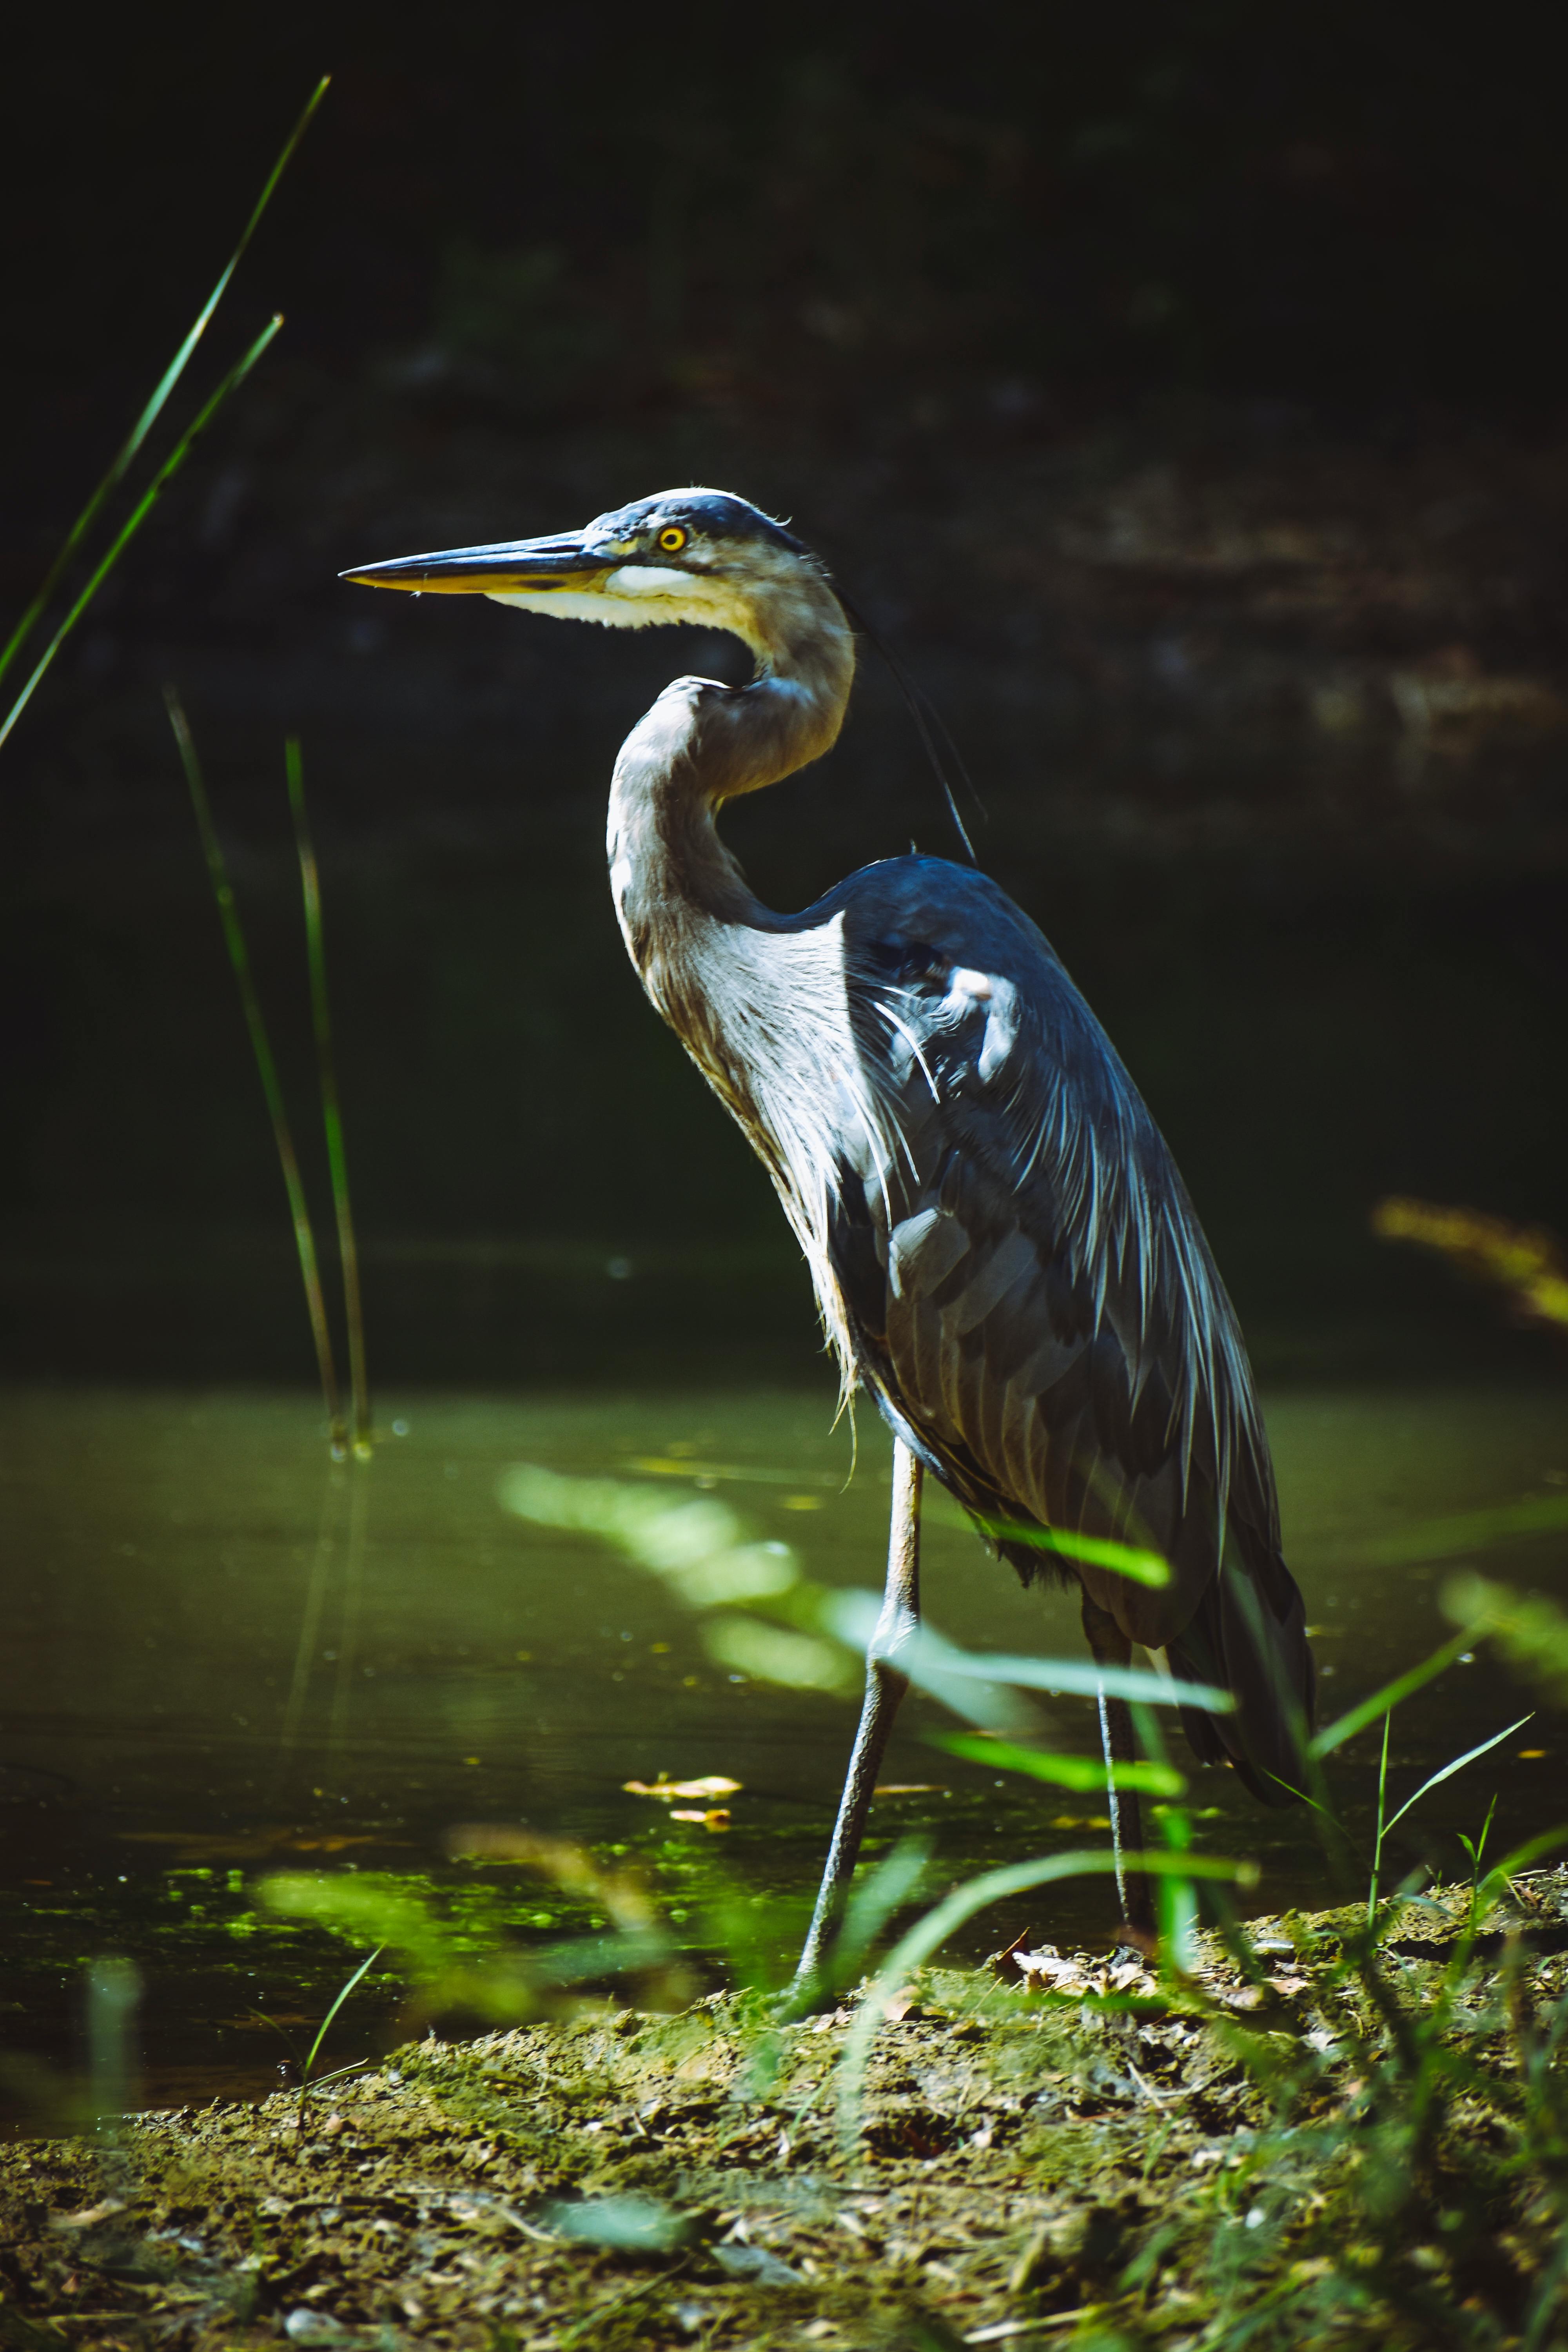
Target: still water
(224, 1656)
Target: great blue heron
(1002, 1251)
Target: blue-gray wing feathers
(1031, 1297)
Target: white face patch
(581, 604)
(642, 596)
(648, 580)
(662, 593)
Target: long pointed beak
(513, 563)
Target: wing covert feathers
(1031, 1297)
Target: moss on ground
(1277, 2150)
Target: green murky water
(224, 1656)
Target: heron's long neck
(676, 886)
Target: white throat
(643, 597)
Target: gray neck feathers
(673, 880)
(754, 998)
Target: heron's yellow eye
(672, 540)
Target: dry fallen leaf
(1128, 1974)
(1046, 1972)
(90, 2215)
(667, 1791)
(1000, 1963)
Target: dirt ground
(1258, 2151)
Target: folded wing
(1035, 1305)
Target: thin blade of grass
(261, 1046)
(332, 1115)
(1134, 1561)
(154, 408)
(927, 1935)
(139, 513)
(1368, 1709)
(1530, 1631)
(1448, 1770)
(319, 2082)
(323, 2030)
(1087, 1681)
(1382, 1829)
(1536, 1515)
(1545, 2301)
(933, 1663)
(872, 1902)
(1083, 1773)
(1533, 1850)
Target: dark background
(1181, 388)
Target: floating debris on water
(667, 1791)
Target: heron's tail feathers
(1250, 1637)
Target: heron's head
(684, 556)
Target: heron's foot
(804, 1997)
(813, 1985)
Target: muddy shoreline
(1299, 2136)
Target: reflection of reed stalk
(310, 1619)
(113, 1989)
(332, 1116)
(353, 1585)
(234, 937)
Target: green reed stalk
(238, 956)
(138, 516)
(332, 1116)
(150, 413)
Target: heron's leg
(1111, 1647)
(884, 1688)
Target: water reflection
(224, 1651)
